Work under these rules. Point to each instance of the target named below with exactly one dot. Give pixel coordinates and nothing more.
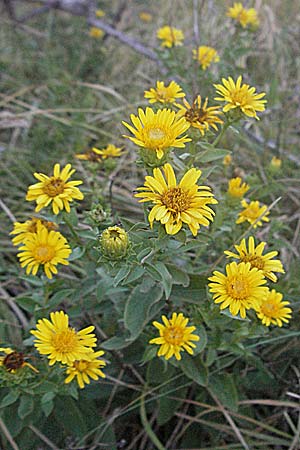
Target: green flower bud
(114, 242)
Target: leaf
(194, 368)
(9, 399)
(47, 403)
(123, 272)
(77, 253)
(68, 413)
(58, 297)
(115, 343)
(224, 389)
(195, 293)
(27, 303)
(136, 273)
(137, 308)
(212, 154)
(178, 275)
(166, 277)
(25, 407)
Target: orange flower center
(44, 253)
(81, 365)
(195, 115)
(65, 341)
(269, 309)
(54, 187)
(174, 335)
(238, 287)
(176, 200)
(255, 261)
(156, 134)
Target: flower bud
(114, 242)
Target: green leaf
(137, 309)
(135, 273)
(9, 399)
(26, 406)
(224, 389)
(115, 343)
(194, 368)
(58, 297)
(27, 303)
(47, 403)
(178, 275)
(166, 277)
(196, 292)
(123, 272)
(212, 154)
(68, 413)
(77, 253)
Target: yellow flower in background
(254, 255)
(243, 15)
(200, 116)
(46, 248)
(96, 32)
(177, 204)
(240, 289)
(157, 131)
(12, 360)
(253, 213)
(25, 229)
(87, 368)
(62, 343)
(273, 310)
(276, 163)
(164, 94)
(114, 242)
(145, 16)
(240, 96)
(236, 187)
(170, 36)
(227, 160)
(205, 56)
(55, 189)
(174, 336)
(100, 13)
(111, 151)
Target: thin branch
(8, 436)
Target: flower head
(97, 155)
(275, 163)
(46, 248)
(157, 131)
(227, 160)
(236, 188)
(176, 204)
(200, 116)
(13, 360)
(55, 189)
(273, 310)
(164, 94)
(253, 213)
(87, 368)
(25, 229)
(243, 15)
(254, 255)
(145, 16)
(240, 289)
(240, 96)
(174, 336)
(205, 56)
(96, 32)
(170, 36)
(62, 343)
(100, 13)
(114, 242)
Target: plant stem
(147, 426)
(219, 137)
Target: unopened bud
(114, 242)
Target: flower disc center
(156, 134)
(81, 366)
(238, 288)
(176, 200)
(44, 253)
(54, 187)
(255, 261)
(174, 335)
(65, 341)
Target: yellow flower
(200, 116)
(254, 255)
(96, 32)
(205, 56)
(47, 248)
(253, 213)
(157, 131)
(62, 343)
(97, 155)
(170, 36)
(240, 289)
(13, 360)
(114, 242)
(175, 336)
(87, 368)
(241, 96)
(243, 15)
(55, 189)
(164, 94)
(100, 13)
(176, 204)
(273, 310)
(236, 188)
(275, 163)
(227, 160)
(25, 229)
(145, 16)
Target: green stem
(147, 426)
(219, 137)
(72, 229)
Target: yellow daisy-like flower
(62, 343)
(205, 56)
(236, 187)
(55, 189)
(100, 13)
(97, 155)
(25, 229)
(87, 368)
(175, 336)
(200, 116)
(276, 163)
(176, 204)
(243, 15)
(273, 310)
(46, 248)
(114, 242)
(227, 160)
(254, 255)
(240, 96)
(240, 289)
(164, 94)
(253, 213)
(13, 360)
(145, 16)
(170, 36)
(96, 32)
(157, 131)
